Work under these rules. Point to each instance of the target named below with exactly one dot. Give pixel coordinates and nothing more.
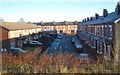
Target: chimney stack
(105, 12)
(87, 18)
(91, 18)
(96, 15)
(117, 9)
(83, 20)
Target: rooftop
(56, 23)
(112, 17)
(17, 26)
(105, 18)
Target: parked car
(35, 39)
(84, 56)
(72, 40)
(79, 48)
(64, 33)
(51, 38)
(53, 35)
(72, 36)
(32, 44)
(76, 42)
(60, 36)
(15, 50)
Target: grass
(60, 63)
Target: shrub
(59, 63)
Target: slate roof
(56, 23)
(17, 26)
(110, 18)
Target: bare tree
(21, 20)
(1, 19)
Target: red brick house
(99, 32)
(12, 33)
(67, 27)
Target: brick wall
(4, 38)
(42, 28)
(3, 34)
(66, 27)
(117, 41)
(61, 28)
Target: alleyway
(65, 45)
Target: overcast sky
(52, 11)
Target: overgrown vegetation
(59, 63)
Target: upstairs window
(105, 30)
(45, 27)
(102, 30)
(111, 32)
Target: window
(94, 43)
(12, 44)
(45, 27)
(20, 35)
(102, 30)
(11, 34)
(60, 27)
(105, 30)
(39, 26)
(2, 50)
(69, 30)
(111, 33)
(68, 26)
(72, 31)
(98, 32)
(65, 31)
(95, 30)
(101, 47)
(98, 47)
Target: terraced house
(67, 27)
(99, 32)
(13, 34)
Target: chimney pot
(117, 9)
(105, 12)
